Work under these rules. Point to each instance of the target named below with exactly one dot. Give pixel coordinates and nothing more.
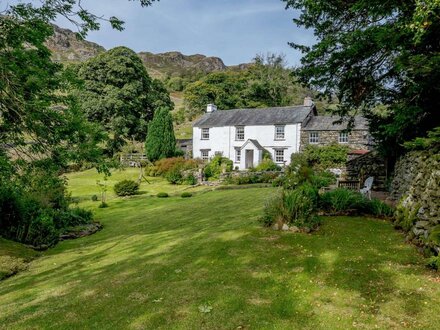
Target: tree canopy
(119, 94)
(161, 142)
(264, 83)
(381, 58)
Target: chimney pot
(211, 108)
(308, 101)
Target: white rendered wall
(222, 139)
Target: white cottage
(243, 134)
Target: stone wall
(356, 139)
(416, 185)
(370, 164)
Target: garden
(207, 262)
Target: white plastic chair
(366, 190)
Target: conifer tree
(161, 142)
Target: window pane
(279, 156)
(313, 137)
(205, 133)
(239, 133)
(279, 132)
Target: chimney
(211, 108)
(308, 101)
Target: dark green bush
(103, 205)
(216, 166)
(174, 176)
(294, 207)
(41, 231)
(94, 198)
(343, 200)
(340, 200)
(186, 194)
(72, 217)
(267, 165)
(162, 195)
(190, 180)
(126, 188)
(434, 263)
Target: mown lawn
(205, 263)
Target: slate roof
(253, 117)
(326, 123)
(255, 143)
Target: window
(313, 137)
(343, 137)
(279, 132)
(279, 155)
(204, 154)
(237, 155)
(205, 133)
(239, 133)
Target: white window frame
(314, 137)
(279, 160)
(239, 133)
(204, 154)
(237, 155)
(343, 137)
(205, 133)
(280, 135)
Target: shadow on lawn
(173, 256)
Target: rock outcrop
(67, 47)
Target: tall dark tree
(119, 94)
(161, 142)
(381, 58)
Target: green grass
(14, 257)
(83, 184)
(206, 263)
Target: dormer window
(239, 133)
(205, 133)
(279, 132)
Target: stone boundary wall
(370, 164)
(416, 185)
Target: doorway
(249, 159)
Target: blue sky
(234, 30)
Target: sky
(234, 30)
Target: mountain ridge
(66, 47)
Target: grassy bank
(206, 263)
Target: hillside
(67, 48)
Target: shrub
(190, 179)
(103, 205)
(216, 166)
(322, 179)
(378, 208)
(186, 194)
(126, 188)
(162, 195)
(94, 198)
(343, 200)
(267, 165)
(434, 263)
(174, 176)
(166, 165)
(295, 207)
(42, 231)
(325, 157)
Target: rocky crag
(67, 48)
